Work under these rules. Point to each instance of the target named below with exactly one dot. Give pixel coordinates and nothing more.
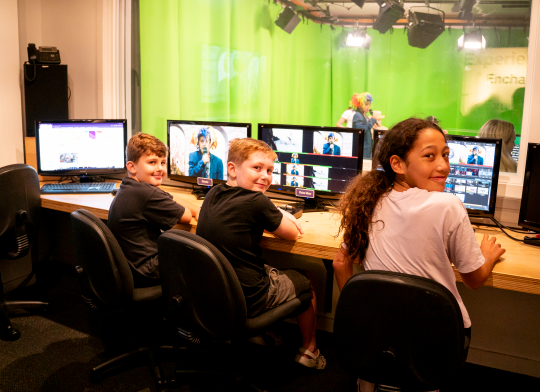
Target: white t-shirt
(423, 234)
(348, 115)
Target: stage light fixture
(359, 39)
(287, 20)
(389, 13)
(423, 28)
(473, 40)
(359, 3)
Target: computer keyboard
(77, 187)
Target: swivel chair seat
(204, 297)
(399, 331)
(20, 212)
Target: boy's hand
(206, 158)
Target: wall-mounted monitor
(198, 150)
(82, 148)
(474, 172)
(319, 159)
(529, 213)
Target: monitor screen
(199, 149)
(529, 213)
(474, 172)
(81, 147)
(377, 136)
(323, 159)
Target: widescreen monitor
(83, 148)
(198, 150)
(529, 213)
(321, 159)
(474, 172)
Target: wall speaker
(287, 20)
(423, 28)
(389, 13)
(46, 96)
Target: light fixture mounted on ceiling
(358, 38)
(287, 20)
(424, 28)
(389, 13)
(473, 40)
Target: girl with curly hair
(398, 218)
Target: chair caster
(10, 334)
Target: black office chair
(108, 281)
(20, 209)
(401, 332)
(205, 300)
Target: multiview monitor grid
(318, 158)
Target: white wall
(11, 133)
(75, 28)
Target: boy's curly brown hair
(143, 143)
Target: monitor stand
(83, 179)
(200, 193)
(315, 204)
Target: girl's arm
(342, 268)
(340, 122)
(491, 252)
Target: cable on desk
(521, 231)
(502, 229)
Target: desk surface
(519, 269)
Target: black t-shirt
(138, 214)
(233, 220)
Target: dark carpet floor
(57, 349)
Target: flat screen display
(81, 147)
(529, 213)
(324, 159)
(474, 172)
(199, 149)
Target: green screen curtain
(227, 61)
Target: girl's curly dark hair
(364, 192)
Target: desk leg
(329, 285)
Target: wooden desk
(519, 269)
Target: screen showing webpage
(201, 150)
(318, 160)
(80, 146)
(471, 173)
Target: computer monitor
(190, 142)
(529, 212)
(474, 172)
(377, 136)
(313, 161)
(81, 148)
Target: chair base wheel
(10, 334)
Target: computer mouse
(114, 191)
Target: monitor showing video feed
(323, 159)
(529, 212)
(82, 148)
(474, 172)
(199, 149)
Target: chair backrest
(399, 330)
(104, 264)
(190, 267)
(20, 209)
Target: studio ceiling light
(359, 39)
(424, 28)
(473, 40)
(389, 13)
(287, 20)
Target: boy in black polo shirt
(233, 218)
(140, 210)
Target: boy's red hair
(241, 149)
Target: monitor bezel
(80, 172)
(525, 193)
(289, 190)
(190, 179)
(490, 213)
